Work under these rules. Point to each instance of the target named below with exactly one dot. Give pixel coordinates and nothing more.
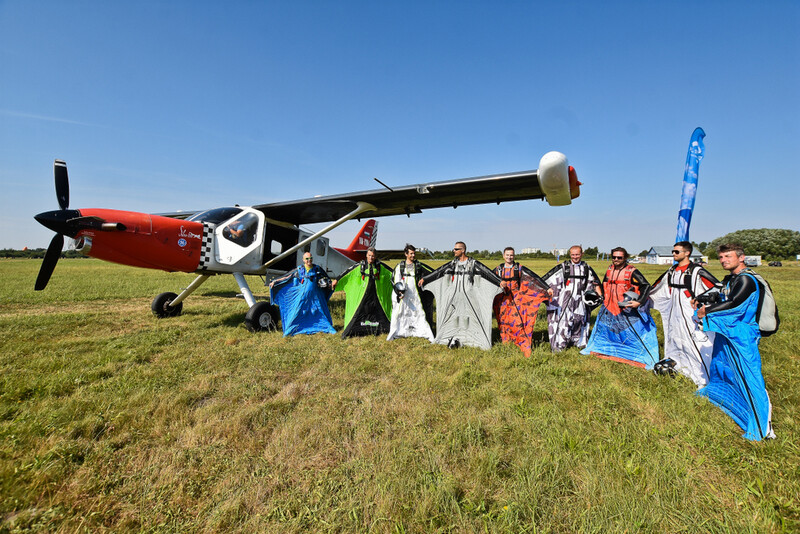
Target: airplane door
(318, 249)
(239, 240)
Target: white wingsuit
(684, 340)
(408, 312)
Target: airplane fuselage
(204, 243)
(148, 241)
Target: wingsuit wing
(426, 269)
(411, 310)
(425, 296)
(486, 273)
(736, 383)
(660, 294)
(535, 281)
(684, 342)
(627, 337)
(385, 288)
(464, 304)
(355, 285)
(350, 282)
(303, 306)
(516, 309)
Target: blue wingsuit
(303, 304)
(735, 382)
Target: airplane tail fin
(366, 237)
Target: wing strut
(362, 207)
(189, 290)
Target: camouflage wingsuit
(567, 315)
(516, 307)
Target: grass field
(113, 420)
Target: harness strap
(515, 273)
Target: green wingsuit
(368, 310)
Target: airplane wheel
(263, 316)
(161, 306)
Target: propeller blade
(49, 262)
(62, 183)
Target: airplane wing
(553, 181)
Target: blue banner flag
(693, 157)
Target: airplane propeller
(49, 262)
(65, 222)
(62, 183)
(55, 220)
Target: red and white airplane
(267, 239)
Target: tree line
(36, 253)
(769, 243)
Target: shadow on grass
(232, 319)
(227, 294)
(540, 338)
(237, 319)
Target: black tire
(262, 317)
(161, 306)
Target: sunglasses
(307, 259)
(458, 248)
(617, 257)
(677, 251)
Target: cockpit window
(242, 230)
(215, 216)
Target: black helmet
(665, 367)
(592, 299)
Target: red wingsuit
(516, 307)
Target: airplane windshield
(215, 216)
(242, 230)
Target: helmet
(665, 367)
(627, 298)
(399, 290)
(592, 299)
(454, 343)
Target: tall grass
(113, 420)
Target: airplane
(367, 237)
(266, 239)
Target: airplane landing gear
(262, 316)
(162, 306)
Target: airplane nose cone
(57, 221)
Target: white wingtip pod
(554, 179)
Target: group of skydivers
(711, 328)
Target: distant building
(559, 251)
(663, 256)
(530, 251)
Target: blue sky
(160, 106)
